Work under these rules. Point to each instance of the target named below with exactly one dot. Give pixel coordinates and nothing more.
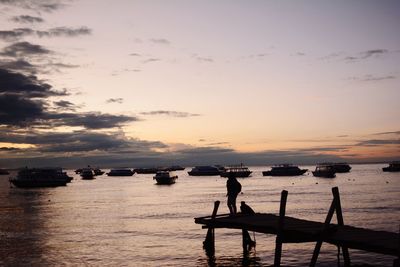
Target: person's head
(231, 175)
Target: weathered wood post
(335, 206)
(209, 243)
(279, 237)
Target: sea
(132, 221)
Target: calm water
(130, 221)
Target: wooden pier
(293, 230)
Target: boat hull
(284, 173)
(163, 180)
(236, 174)
(324, 174)
(208, 173)
(37, 184)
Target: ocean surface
(131, 221)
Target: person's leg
(230, 205)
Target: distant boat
(284, 170)
(340, 167)
(120, 172)
(175, 168)
(165, 177)
(40, 177)
(4, 172)
(146, 170)
(393, 167)
(78, 171)
(237, 171)
(87, 174)
(325, 171)
(97, 172)
(204, 171)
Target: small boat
(87, 174)
(78, 171)
(165, 177)
(393, 167)
(284, 170)
(237, 171)
(40, 177)
(4, 172)
(340, 167)
(175, 168)
(97, 172)
(120, 172)
(204, 171)
(325, 171)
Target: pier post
(335, 206)
(279, 237)
(209, 243)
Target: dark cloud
(170, 113)
(342, 136)
(27, 19)
(149, 60)
(25, 86)
(373, 78)
(64, 105)
(36, 5)
(115, 100)
(16, 110)
(15, 34)
(160, 41)
(378, 142)
(367, 54)
(385, 133)
(135, 55)
(24, 49)
(64, 31)
(18, 65)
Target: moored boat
(146, 170)
(339, 167)
(4, 172)
(325, 171)
(204, 171)
(393, 167)
(87, 174)
(165, 177)
(98, 172)
(237, 171)
(120, 172)
(284, 170)
(40, 177)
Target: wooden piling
(279, 237)
(209, 243)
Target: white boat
(165, 177)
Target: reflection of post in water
(209, 243)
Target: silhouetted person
(233, 189)
(246, 209)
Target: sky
(151, 83)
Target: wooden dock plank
(298, 230)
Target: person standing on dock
(233, 189)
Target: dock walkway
(294, 230)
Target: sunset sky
(142, 83)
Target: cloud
(149, 60)
(373, 78)
(16, 110)
(64, 105)
(15, 34)
(18, 65)
(205, 59)
(24, 49)
(367, 54)
(378, 142)
(34, 5)
(27, 19)
(115, 100)
(64, 31)
(170, 113)
(160, 41)
(135, 55)
(385, 133)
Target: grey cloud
(64, 105)
(205, 59)
(385, 133)
(160, 41)
(42, 5)
(64, 31)
(170, 113)
(149, 60)
(115, 100)
(16, 110)
(27, 19)
(24, 49)
(18, 65)
(135, 55)
(378, 142)
(15, 34)
(373, 52)
(373, 78)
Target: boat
(97, 172)
(237, 171)
(340, 167)
(394, 166)
(87, 174)
(146, 170)
(175, 168)
(325, 171)
(78, 171)
(204, 171)
(284, 170)
(40, 177)
(4, 172)
(165, 177)
(120, 172)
